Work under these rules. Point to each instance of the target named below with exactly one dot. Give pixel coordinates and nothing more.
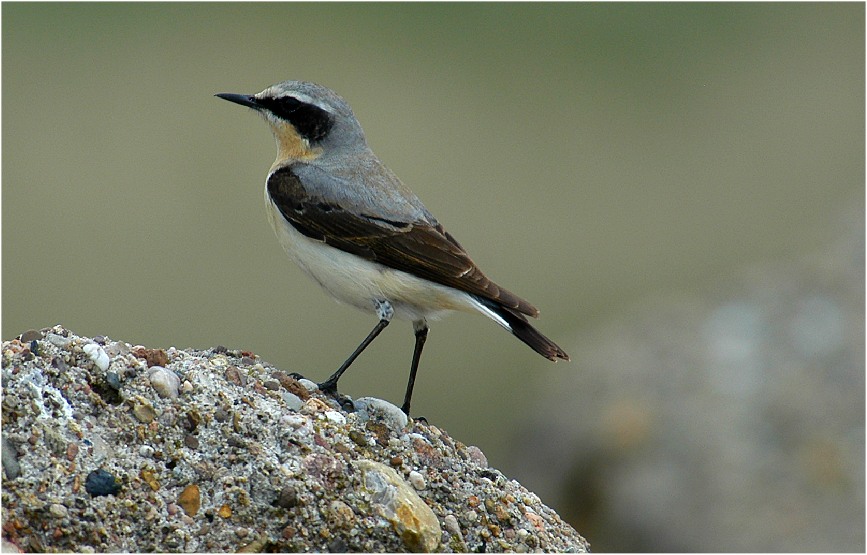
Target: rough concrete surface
(114, 447)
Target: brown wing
(418, 248)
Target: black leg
(385, 313)
(420, 337)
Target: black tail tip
(554, 353)
(517, 323)
(536, 341)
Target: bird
(364, 236)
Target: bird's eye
(282, 107)
(288, 105)
(312, 122)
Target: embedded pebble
(191, 441)
(340, 515)
(273, 385)
(10, 459)
(288, 498)
(451, 525)
(58, 340)
(190, 499)
(335, 417)
(58, 511)
(31, 335)
(117, 348)
(235, 376)
(308, 385)
(164, 381)
(371, 408)
(314, 405)
(144, 412)
(417, 480)
(477, 456)
(153, 357)
(113, 380)
(362, 440)
(98, 355)
(413, 521)
(293, 402)
(100, 482)
(293, 420)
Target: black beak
(242, 99)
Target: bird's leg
(385, 312)
(420, 327)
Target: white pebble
(293, 420)
(335, 417)
(451, 525)
(164, 381)
(417, 480)
(369, 408)
(146, 451)
(97, 355)
(308, 385)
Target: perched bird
(352, 226)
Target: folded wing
(420, 248)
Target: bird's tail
(517, 323)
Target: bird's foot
(329, 388)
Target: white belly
(360, 283)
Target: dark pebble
(273, 385)
(234, 441)
(100, 482)
(113, 380)
(192, 421)
(338, 545)
(359, 438)
(30, 335)
(191, 441)
(10, 460)
(288, 498)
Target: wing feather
(420, 247)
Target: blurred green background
(586, 155)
